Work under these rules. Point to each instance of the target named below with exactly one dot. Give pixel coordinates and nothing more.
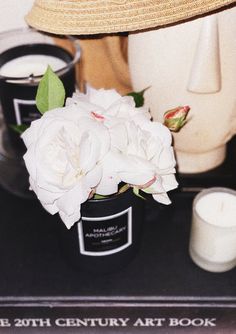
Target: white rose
(141, 155)
(160, 152)
(109, 103)
(146, 157)
(64, 148)
(119, 167)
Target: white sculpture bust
(193, 64)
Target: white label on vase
(99, 236)
(25, 111)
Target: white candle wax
(218, 208)
(213, 234)
(25, 66)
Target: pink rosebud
(175, 118)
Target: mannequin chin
(193, 64)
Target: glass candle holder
(24, 57)
(213, 231)
(23, 61)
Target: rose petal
(158, 130)
(70, 201)
(69, 220)
(169, 182)
(108, 184)
(162, 198)
(166, 160)
(102, 97)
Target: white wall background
(12, 13)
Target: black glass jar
(108, 236)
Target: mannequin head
(193, 64)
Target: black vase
(108, 236)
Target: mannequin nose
(205, 74)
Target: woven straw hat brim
(84, 17)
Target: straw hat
(83, 17)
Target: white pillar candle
(25, 66)
(213, 232)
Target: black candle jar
(17, 98)
(17, 95)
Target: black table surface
(32, 263)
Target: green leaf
(97, 196)
(138, 97)
(51, 92)
(19, 128)
(124, 188)
(136, 192)
(148, 190)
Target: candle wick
(31, 77)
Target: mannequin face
(191, 64)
